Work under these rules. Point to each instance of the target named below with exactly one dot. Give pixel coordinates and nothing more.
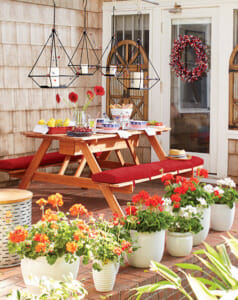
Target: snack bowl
(100, 122)
(110, 126)
(137, 124)
(121, 113)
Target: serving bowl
(110, 126)
(122, 114)
(137, 124)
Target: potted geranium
(179, 236)
(183, 192)
(147, 223)
(53, 245)
(108, 244)
(223, 210)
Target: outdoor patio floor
(128, 277)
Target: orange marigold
(40, 247)
(41, 202)
(18, 235)
(56, 200)
(78, 209)
(71, 247)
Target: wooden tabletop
(94, 136)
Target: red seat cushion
(23, 162)
(149, 170)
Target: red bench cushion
(23, 162)
(149, 170)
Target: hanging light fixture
(135, 74)
(51, 69)
(84, 60)
(111, 68)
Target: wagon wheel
(125, 54)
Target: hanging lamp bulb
(84, 60)
(51, 69)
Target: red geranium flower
(175, 198)
(167, 177)
(73, 97)
(99, 90)
(202, 173)
(180, 179)
(131, 210)
(58, 99)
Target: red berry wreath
(201, 62)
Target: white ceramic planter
(40, 267)
(222, 217)
(179, 244)
(199, 237)
(104, 280)
(151, 248)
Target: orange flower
(56, 200)
(40, 247)
(41, 237)
(78, 209)
(71, 247)
(18, 235)
(82, 226)
(50, 216)
(78, 235)
(117, 251)
(125, 245)
(54, 226)
(41, 202)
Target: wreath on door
(201, 62)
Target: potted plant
(223, 210)
(108, 244)
(147, 223)
(53, 245)
(183, 192)
(179, 236)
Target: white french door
(190, 108)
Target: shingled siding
(24, 27)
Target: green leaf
(188, 266)
(165, 272)
(211, 250)
(211, 283)
(200, 289)
(224, 255)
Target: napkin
(150, 131)
(123, 134)
(41, 129)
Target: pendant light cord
(85, 13)
(54, 16)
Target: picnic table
(87, 147)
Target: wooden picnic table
(87, 146)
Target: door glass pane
(190, 102)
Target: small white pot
(179, 244)
(222, 217)
(104, 280)
(39, 267)
(151, 248)
(199, 237)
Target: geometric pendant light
(139, 73)
(84, 60)
(51, 69)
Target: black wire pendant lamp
(138, 73)
(84, 60)
(111, 67)
(51, 69)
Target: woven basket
(19, 203)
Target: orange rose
(78, 209)
(71, 247)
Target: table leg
(95, 168)
(26, 179)
(131, 147)
(120, 157)
(64, 165)
(157, 147)
(80, 167)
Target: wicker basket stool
(18, 202)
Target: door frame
(192, 13)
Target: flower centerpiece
(73, 103)
(53, 245)
(147, 222)
(108, 243)
(223, 210)
(183, 192)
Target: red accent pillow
(23, 162)
(125, 174)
